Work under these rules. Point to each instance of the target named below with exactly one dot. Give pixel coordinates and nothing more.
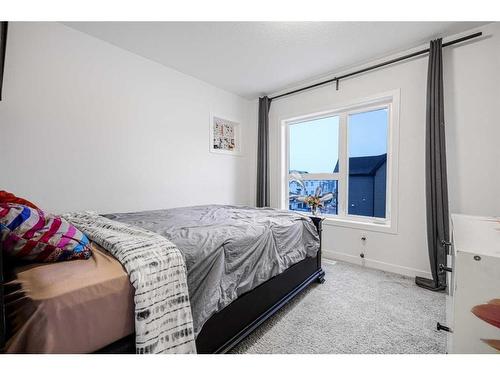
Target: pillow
(30, 234)
(6, 197)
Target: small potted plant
(314, 201)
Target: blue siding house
(367, 185)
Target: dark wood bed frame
(227, 328)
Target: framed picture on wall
(225, 136)
(3, 44)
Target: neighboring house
(367, 185)
(304, 187)
(297, 188)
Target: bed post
(318, 223)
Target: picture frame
(3, 45)
(224, 136)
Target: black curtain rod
(337, 79)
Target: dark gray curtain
(263, 153)
(435, 171)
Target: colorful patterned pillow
(30, 234)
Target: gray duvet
(229, 250)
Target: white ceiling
(255, 58)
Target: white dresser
(474, 281)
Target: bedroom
(299, 217)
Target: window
(367, 148)
(344, 157)
(315, 152)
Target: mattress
(76, 306)
(83, 305)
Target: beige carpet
(357, 310)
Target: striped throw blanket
(163, 321)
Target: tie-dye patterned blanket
(163, 321)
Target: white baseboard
(371, 263)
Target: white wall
(472, 99)
(87, 125)
(472, 102)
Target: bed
(243, 265)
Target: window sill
(355, 223)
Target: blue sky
(314, 144)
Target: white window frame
(389, 100)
